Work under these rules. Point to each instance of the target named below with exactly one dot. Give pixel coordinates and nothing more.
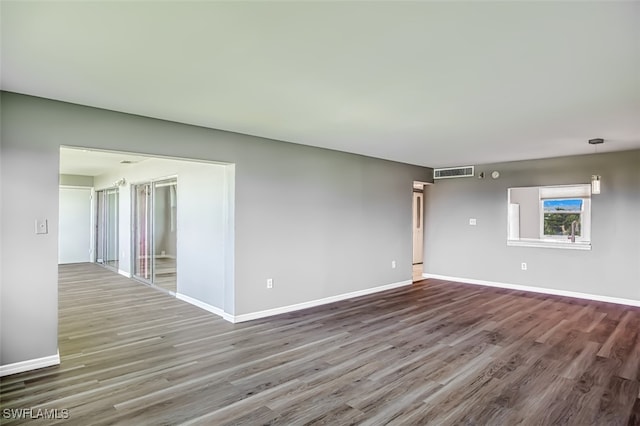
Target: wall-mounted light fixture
(595, 184)
(595, 179)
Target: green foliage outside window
(560, 223)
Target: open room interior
(143, 204)
(298, 213)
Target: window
(562, 217)
(550, 216)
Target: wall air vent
(453, 172)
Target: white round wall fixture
(495, 174)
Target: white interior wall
(529, 201)
(75, 225)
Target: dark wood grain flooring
(437, 352)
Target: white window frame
(579, 191)
(585, 219)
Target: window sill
(550, 244)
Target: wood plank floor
(436, 353)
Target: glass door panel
(155, 230)
(100, 227)
(164, 234)
(107, 227)
(142, 249)
(111, 240)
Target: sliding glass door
(155, 233)
(164, 234)
(142, 231)
(107, 227)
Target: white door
(74, 229)
(418, 234)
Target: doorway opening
(132, 209)
(418, 230)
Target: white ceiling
(429, 83)
(89, 162)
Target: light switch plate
(41, 226)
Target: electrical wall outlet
(393, 264)
(472, 221)
(523, 266)
(270, 283)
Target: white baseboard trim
(125, 273)
(543, 290)
(290, 308)
(31, 364)
(312, 303)
(205, 306)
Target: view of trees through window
(560, 223)
(560, 214)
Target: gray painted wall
(29, 262)
(319, 222)
(611, 268)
